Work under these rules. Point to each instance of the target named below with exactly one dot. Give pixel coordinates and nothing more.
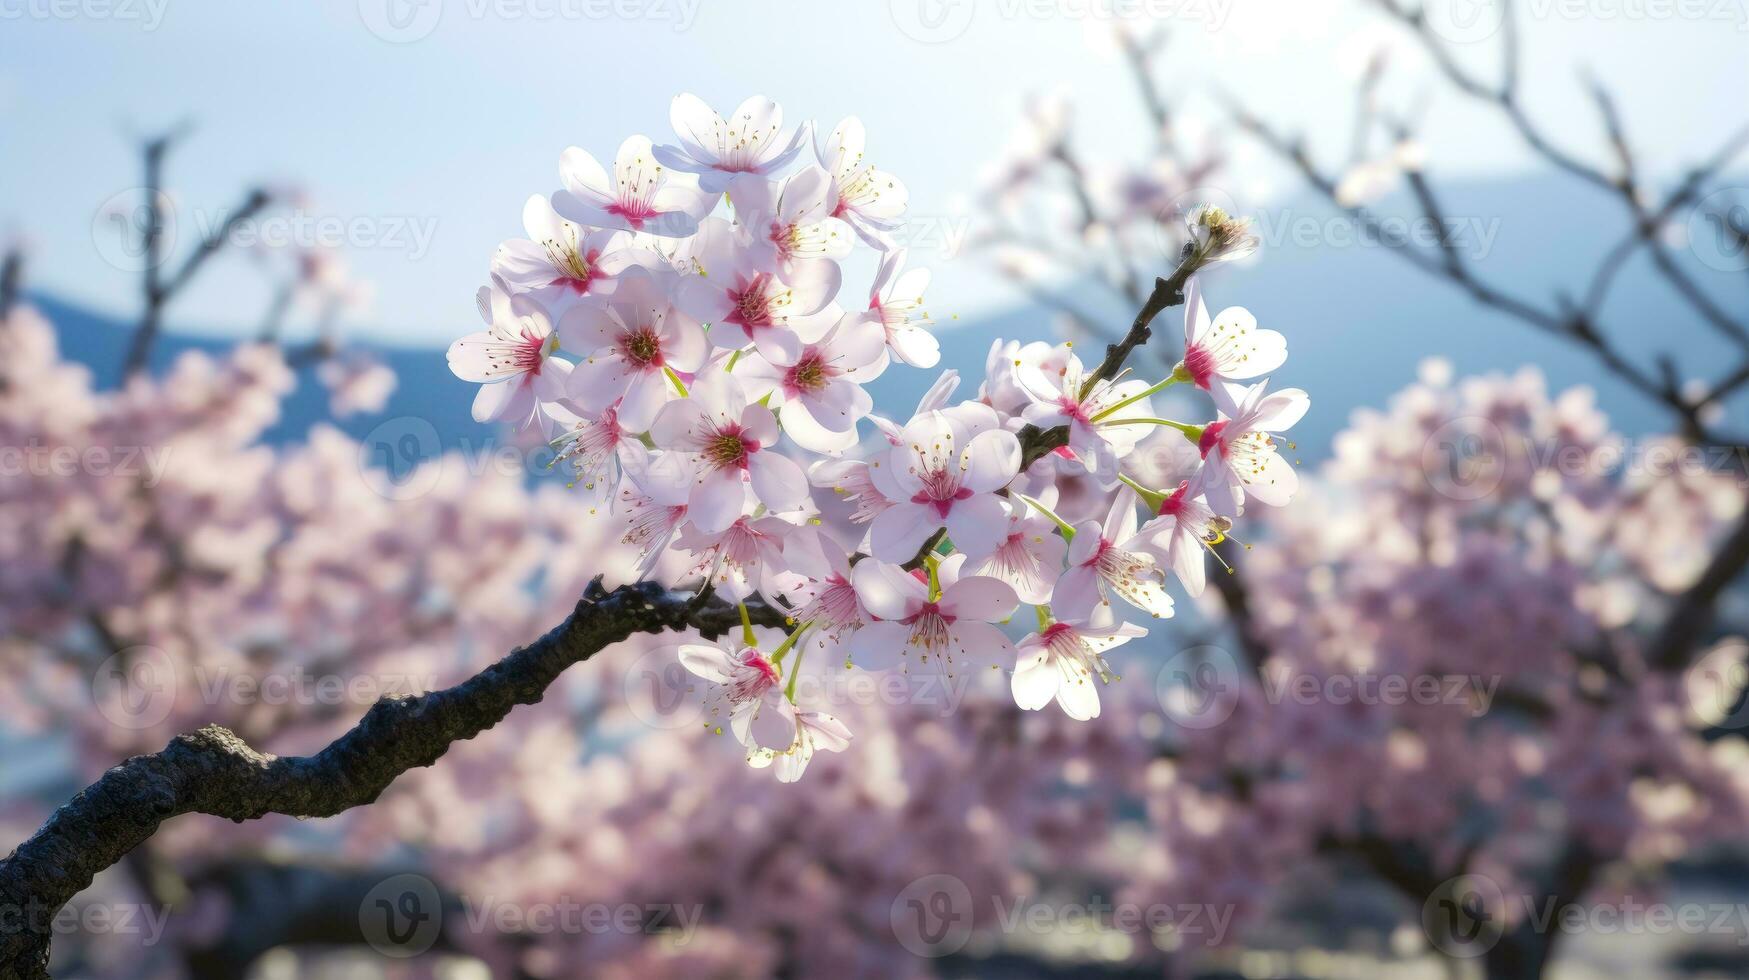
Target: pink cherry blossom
(1239, 455)
(512, 361)
(1060, 662)
(870, 200)
(561, 262)
(817, 393)
(1099, 421)
(750, 141)
(635, 347)
(746, 686)
(916, 625)
(1107, 557)
(729, 441)
(1183, 531)
(938, 479)
(789, 223)
(896, 303)
(1031, 558)
(639, 196)
(1228, 347)
(746, 302)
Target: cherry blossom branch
(213, 771)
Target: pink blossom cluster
(1526, 597)
(683, 360)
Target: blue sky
(430, 130)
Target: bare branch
(157, 291)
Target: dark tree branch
(213, 771)
(1691, 617)
(157, 291)
(11, 272)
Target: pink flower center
(752, 304)
(1054, 630)
(1072, 408)
(1174, 502)
(530, 354)
(1201, 365)
(634, 211)
(576, 272)
(940, 489)
(642, 347)
(755, 676)
(729, 446)
(809, 375)
(1211, 437)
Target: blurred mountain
(1358, 319)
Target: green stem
(1044, 616)
(747, 636)
(1171, 380)
(1153, 498)
(790, 641)
(1068, 532)
(789, 690)
(1191, 432)
(679, 385)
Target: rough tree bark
(213, 771)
